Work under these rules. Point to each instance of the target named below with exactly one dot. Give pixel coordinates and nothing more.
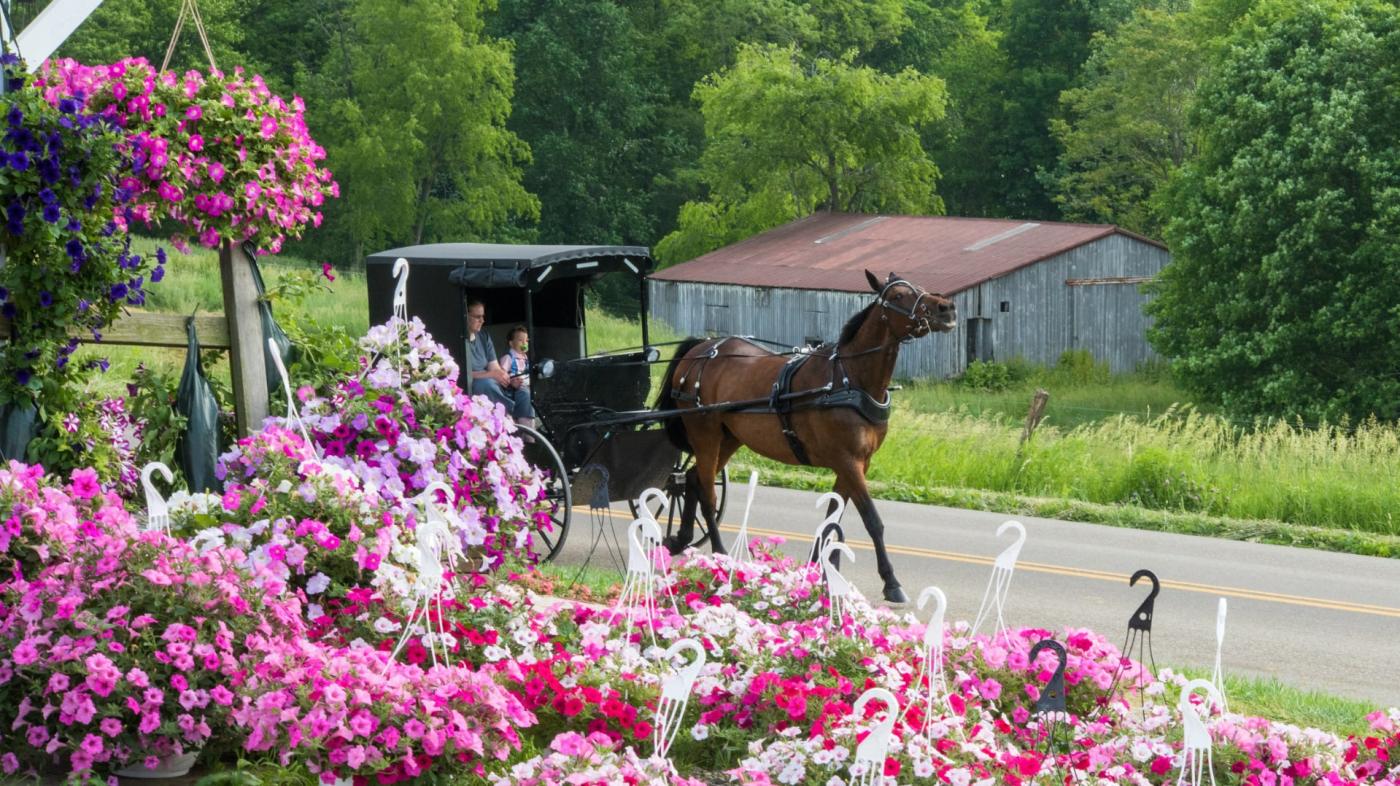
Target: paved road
(1313, 619)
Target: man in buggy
(487, 377)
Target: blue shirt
(481, 352)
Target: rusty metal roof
(942, 254)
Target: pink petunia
(85, 483)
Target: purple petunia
(117, 292)
(45, 298)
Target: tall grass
(1180, 460)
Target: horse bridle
(910, 313)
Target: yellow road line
(1085, 573)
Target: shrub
(1155, 479)
(1077, 367)
(987, 375)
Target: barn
(1028, 289)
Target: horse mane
(848, 333)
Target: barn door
(979, 339)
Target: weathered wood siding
(1045, 316)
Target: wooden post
(1036, 412)
(246, 359)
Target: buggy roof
(496, 265)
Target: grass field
(1114, 449)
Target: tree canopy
(785, 138)
(1283, 296)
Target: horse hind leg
(850, 483)
(710, 457)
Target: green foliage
(1282, 295)
(987, 375)
(951, 39)
(1157, 479)
(418, 139)
(142, 28)
(1126, 130)
(585, 107)
(1077, 368)
(786, 138)
(326, 352)
(1044, 44)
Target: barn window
(1005, 306)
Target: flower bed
(267, 625)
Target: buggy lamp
(544, 369)
(653, 354)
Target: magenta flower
(85, 483)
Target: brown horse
(827, 408)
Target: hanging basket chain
(189, 8)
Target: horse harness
(783, 400)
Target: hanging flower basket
(218, 153)
(66, 265)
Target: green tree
(419, 141)
(951, 39)
(785, 138)
(1282, 295)
(1125, 130)
(142, 28)
(584, 106)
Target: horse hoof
(895, 594)
(675, 545)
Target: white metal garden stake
(293, 416)
(832, 521)
(1196, 752)
(999, 585)
(740, 554)
(401, 289)
(157, 511)
(436, 540)
(639, 585)
(935, 702)
(675, 694)
(838, 588)
(1218, 676)
(872, 750)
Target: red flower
(326, 271)
(891, 767)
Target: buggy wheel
(545, 544)
(675, 497)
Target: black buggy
(594, 436)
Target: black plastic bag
(197, 449)
(19, 424)
(274, 331)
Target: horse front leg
(850, 483)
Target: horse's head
(910, 310)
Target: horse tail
(666, 400)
